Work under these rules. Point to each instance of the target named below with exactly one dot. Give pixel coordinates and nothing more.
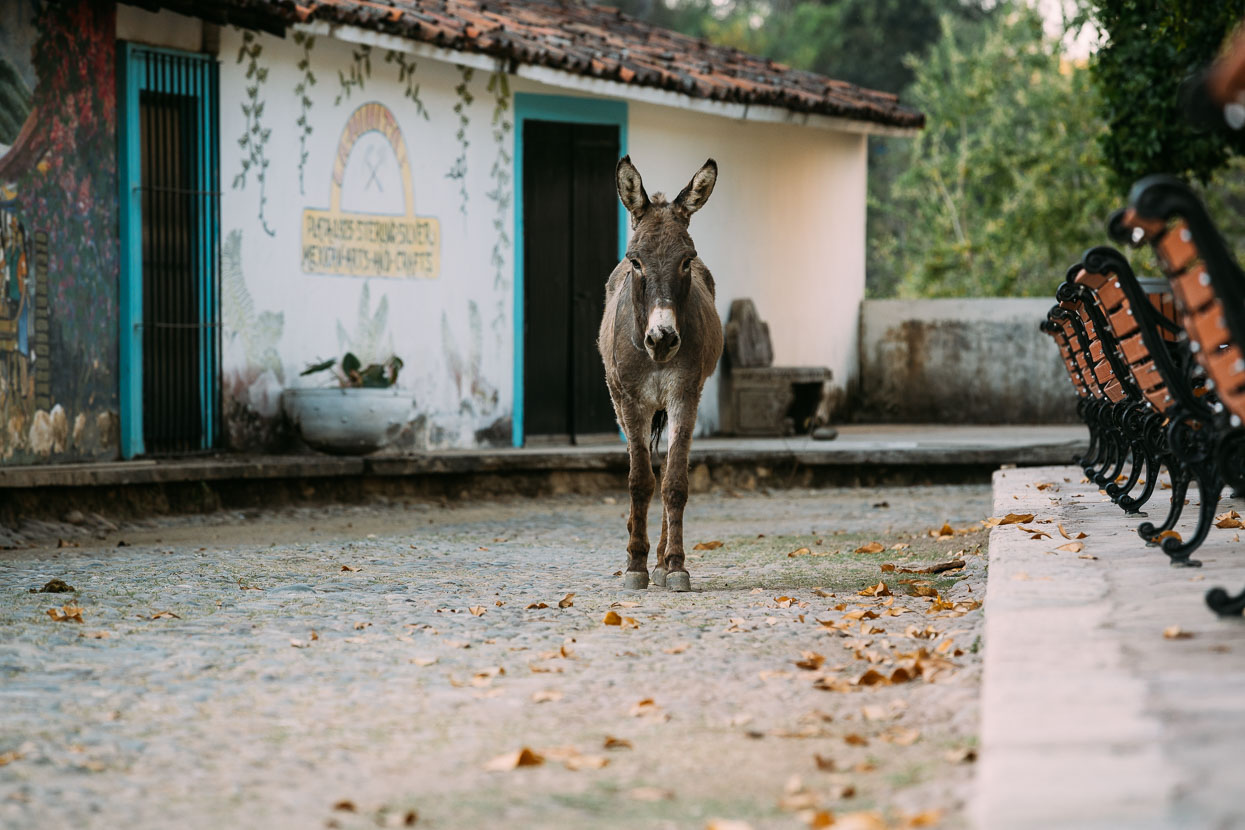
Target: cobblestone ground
(362, 667)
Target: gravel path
(350, 667)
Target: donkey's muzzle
(661, 343)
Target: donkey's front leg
(674, 498)
(641, 482)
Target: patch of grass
(832, 562)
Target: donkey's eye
(635, 263)
(687, 264)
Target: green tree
(1004, 187)
(1148, 49)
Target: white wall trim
(602, 86)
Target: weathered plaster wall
(961, 361)
(426, 157)
(785, 226)
(58, 231)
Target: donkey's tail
(660, 420)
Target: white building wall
(453, 329)
(785, 226)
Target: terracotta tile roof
(596, 41)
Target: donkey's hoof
(635, 580)
(659, 577)
(678, 581)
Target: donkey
(660, 338)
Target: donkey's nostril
(650, 342)
(674, 340)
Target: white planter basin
(348, 421)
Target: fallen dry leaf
(616, 743)
(1010, 519)
(626, 603)
(714, 545)
(578, 762)
(513, 760)
(96, 635)
(859, 821)
(853, 739)
(888, 567)
(1231, 519)
(1175, 632)
(677, 648)
(799, 552)
(536, 605)
(871, 547)
(164, 615)
(612, 618)
(647, 708)
(346, 806)
(823, 763)
(477, 610)
(811, 661)
(359, 626)
(925, 818)
(68, 612)
(933, 569)
(629, 622)
(1168, 534)
(1087, 556)
(566, 601)
(1072, 547)
(1063, 532)
(879, 590)
(900, 737)
(817, 819)
(423, 661)
(350, 568)
(546, 696)
(9, 757)
(963, 755)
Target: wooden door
(570, 229)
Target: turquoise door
(169, 178)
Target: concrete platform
(892, 445)
(1091, 718)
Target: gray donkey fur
(660, 338)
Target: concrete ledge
(857, 445)
(1091, 718)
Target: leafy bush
(1149, 49)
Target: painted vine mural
(303, 91)
(458, 171)
(254, 139)
(59, 253)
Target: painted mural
(58, 243)
(365, 242)
(399, 243)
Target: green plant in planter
(352, 374)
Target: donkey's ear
(631, 188)
(693, 197)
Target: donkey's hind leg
(674, 494)
(659, 572)
(641, 483)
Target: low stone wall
(960, 361)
